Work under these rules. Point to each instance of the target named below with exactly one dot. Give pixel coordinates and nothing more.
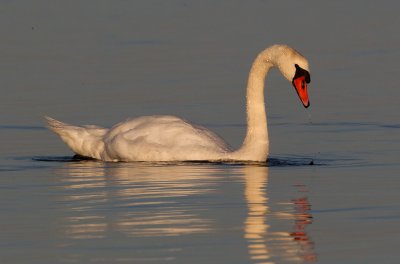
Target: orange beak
(300, 85)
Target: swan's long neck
(256, 144)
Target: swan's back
(162, 138)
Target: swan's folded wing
(162, 138)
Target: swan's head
(295, 68)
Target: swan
(170, 138)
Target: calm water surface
(329, 193)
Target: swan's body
(169, 138)
(146, 138)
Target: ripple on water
(271, 162)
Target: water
(329, 193)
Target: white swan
(169, 138)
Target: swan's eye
(300, 72)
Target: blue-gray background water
(100, 62)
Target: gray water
(329, 193)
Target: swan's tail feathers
(85, 141)
(55, 125)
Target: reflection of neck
(264, 244)
(255, 225)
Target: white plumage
(169, 138)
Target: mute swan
(170, 138)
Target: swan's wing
(163, 138)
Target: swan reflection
(101, 200)
(265, 241)
(85, 188)
(145, 200)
